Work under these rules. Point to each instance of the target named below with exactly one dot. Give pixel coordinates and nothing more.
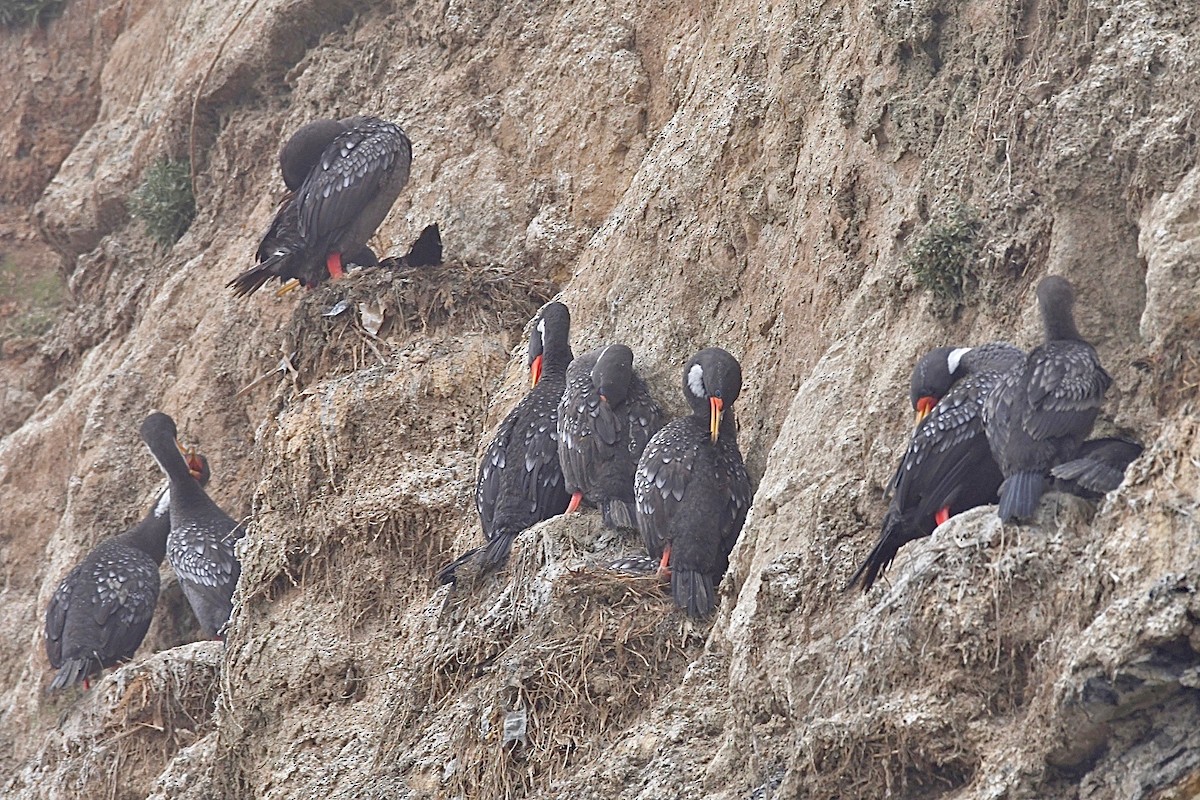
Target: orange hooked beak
(190, 458)
(535, 371)
(195, 465)
(924, 406)
(715, 409)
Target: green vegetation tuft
(164, 201)
(29, 300)
(19, 13)
(942, 255)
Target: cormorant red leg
(333, 262)
(573, 506)
(664, 566)
(942, 515)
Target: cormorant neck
(1061, 326)
(556, 356)
(171, 462)
(150, 535)
(702, 413)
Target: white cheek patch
(164, 503)
(541, 327)
(695, 380)
(955, 357)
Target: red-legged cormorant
(343, 178)
(691, 485)
(200, 547)
(1045, 407)
(1098, 468)
(101, 610)
(520, 480)
(605, 418)
(948, 466)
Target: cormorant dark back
(520, 481)
(1045, 406)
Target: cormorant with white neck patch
(520, 480)
(948, 466)
(200, 546)
(101, 610)
(691, 485)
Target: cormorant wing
(542, 479)
(348, 177)
(645, 417)
(662, 478)
(56, 616)
(1066, 383)
(487, 485)
(208, 561)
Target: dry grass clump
(408, 299)
(917, 748)
(378, 536)
(605, 649)
(30, 300)
(118, 739)
(965, 635)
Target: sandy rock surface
(745, 175)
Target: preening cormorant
(691, 485)
(605, 418)
(343, 176)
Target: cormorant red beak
(195, 465)
(924, 406)
(189, 458)
(535, 371)
(715, 406)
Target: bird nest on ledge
(535, 671)
(113, 741)
(351, 323)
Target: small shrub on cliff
(164, 201)
(17, 13)
(941, 256)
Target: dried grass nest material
(607, 646)
(345, 320)
(116, 738)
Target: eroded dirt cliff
(744, 174)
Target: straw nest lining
(115, 740)
(344, 325)
(603, 650)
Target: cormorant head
(303, 150)
(712, 381)
(549, 338)
(613, 373)
(932, 377)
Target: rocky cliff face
(747, 175)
